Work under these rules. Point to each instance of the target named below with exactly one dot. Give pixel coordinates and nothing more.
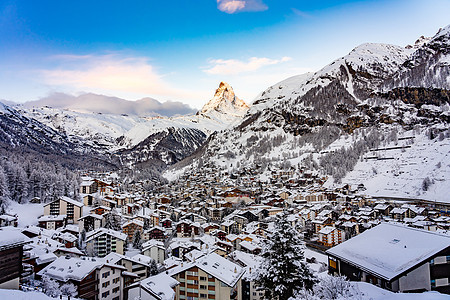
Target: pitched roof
(224, 270)
(389, 250)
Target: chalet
(408, 263)
(166, 223)
(131, 226)
(68, 239)
(8, 220)
(88, 186)
(155, 233)
(52, 221)
(208, 227)
(399, 213)
(186, 228)
(383, 209)
(94, 278)
(138, 264)
(331, 236)
(65, 206)
(91, 222)
(100, 210)
(210, 275)
(11, 254)
(250, 247)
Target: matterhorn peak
(224, 102)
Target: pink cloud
(234, 6)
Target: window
(116, 289)
(202, 278)
(203, 287)
(106, 274)
(192, 273)
(203, 295)
(116, 280)
(105, 294)
(105, 284)
(116, 298)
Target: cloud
(90, 102)
(235, 6)
(106, 73)
(234, 66)
(301, 13)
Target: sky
(180, 50)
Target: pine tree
(113, 220)
(283, 270)
(137, 239)
(153, 268)
(4, 192)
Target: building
(158, 287)
(103, 241)
(331, 236)
(94, 278)
(395, 257)
(52, 221)
(210, 276)
(11, 254)
(154, 249)
(65, 206)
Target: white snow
(388, 250)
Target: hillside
(337, 120)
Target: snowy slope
(329, 121)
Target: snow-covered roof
(71, 268)
(52, 218)
(327, 230)
(11, 236)
(101, 231)
(388, 250)
(215, 265)
(161, 286)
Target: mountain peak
(225, 102)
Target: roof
(389, 250)
(65, 268)
(160, 286)
(101, 231)
(215, 265)
(12, 237)
(327, 230)
(68, 200)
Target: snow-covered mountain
(133, 135)
(334, 120)
(224, 106)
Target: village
(200, 237)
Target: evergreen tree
(113, 220)
(153, 268)
(4, 193)
(137, 239)
(283, 271)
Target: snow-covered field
(403, 175)
(27, 213)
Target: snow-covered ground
(403, 173)
(27, 213)
(371, 292)
(20, 295)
